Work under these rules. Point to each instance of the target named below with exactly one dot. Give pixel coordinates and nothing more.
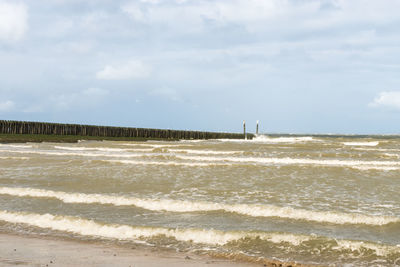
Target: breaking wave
(82, 154)
(209, 158)
(91, 228)
(190, 206)
(104, 149)
(166, 163)
(272, 140)
(16, 146)
(9, 157)
(125, 232)
(156, 145)
(263, 139)
(372, 143)
(300, 161)
(204, 152)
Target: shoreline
(51, 251)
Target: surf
(181, 206)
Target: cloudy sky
(298, 66)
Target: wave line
(170, 205)
(87, 227)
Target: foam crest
(379, 249)
(20, 158)
(391, 155)
(370, 143)
(166, 163)
(104, 149)
(377, 168)
(376, 149)
(274, 140)
(156, 145)
(125, 232)
(190, 206)
(85, 227)
(296, 161)
(308, 215)
(204, 152)
(16, 146)
(82, 154)
(194, 140)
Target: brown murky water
(308, 199)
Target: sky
(297, 66)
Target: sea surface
(316, 200)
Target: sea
(319, 200)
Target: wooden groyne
(45, 128)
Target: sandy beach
(35, 251)
(17, 250)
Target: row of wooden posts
(23, 127)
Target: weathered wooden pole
(23, 127)
(244, 130)
(257, 128)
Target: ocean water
(315, 200)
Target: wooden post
(244, 130)
(23, 127)
(257, 128)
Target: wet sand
(16, 250)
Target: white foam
(203, 152)
(297, 161)
(16, 146)
(275, 140)
(370, 143)
(379, 249)
(376, 149)
(194, 140)
(125, 232)
(82, 154)
(367, 168)
(20, 158)
(156, 145)
(166, 163)
(85, 227)
(105, 149)
(308, 215)
(227, 160)
(391, 155)
(190, 206)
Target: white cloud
(261, 16)
(89, 97)
(150, 1)
(7, 106)
(80, 47)
(131, 70)
(168, 93)
(13, 21)
(35, 108)
(95, 92)
(192, 15)
(389, 99)
(135, 12)
(72, 47)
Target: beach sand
(34, 251)
(16, 250)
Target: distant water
(318, 200)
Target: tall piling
(244, 130)
(257, 128)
